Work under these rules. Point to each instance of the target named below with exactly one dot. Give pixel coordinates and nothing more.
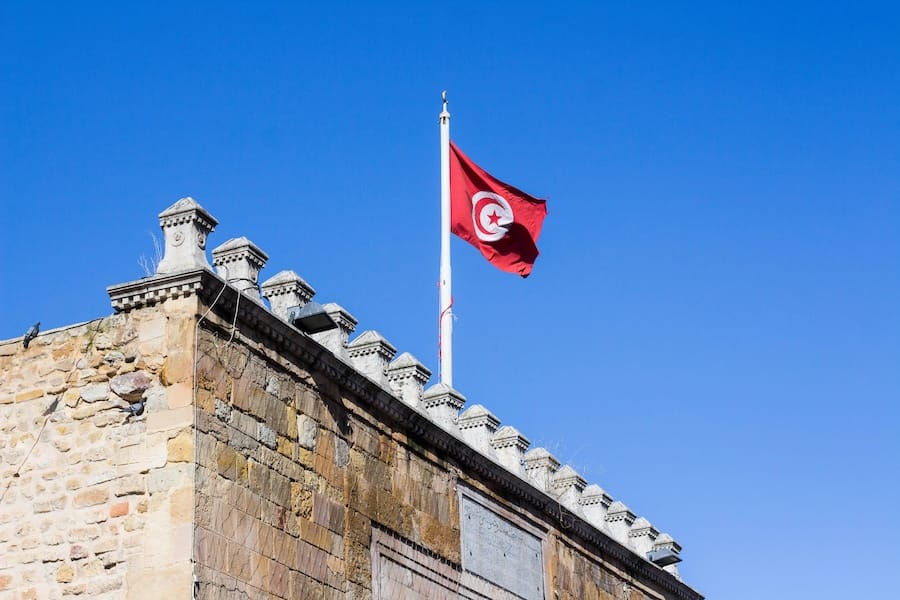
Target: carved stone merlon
(185, 226)
(407, 377)
(370, 353)
(664, 542)
(594, 504)
(477, 426)
(539, 466)
(442, 403)
(618, 521)
(336, 339)
(239, 262)
(642, 536)
(285, 290)
(567, 485)
(509, 446)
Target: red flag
(501, 221)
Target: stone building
(263, 456)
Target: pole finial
(444, 99)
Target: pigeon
(31, 333)
(134, 410)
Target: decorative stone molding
(442, 403)
(477, 426)
(239, 262)
(336, 339)
(285, 290)
(157, 289)
(509, 445)
(185, 226)
(407, 377)
(370, 353)
(594, 504)
(539, 466)
(567, 485)
(618, 521)
(642, 536)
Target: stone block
(95, 392)
(307, 432)
(91, 497)
(266, 435)
(119, 509)
(163, 420)
(181, 505)
(163, 480)
(179, 395)
(64, 574)
(29, 395)
(130, 386)
(181, 447)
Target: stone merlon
(539, 466)
(407, 377)
(336, 339)
(568, 485)
(370, 354)
(239, 262)
(477, 426)
(185, 226)
(594, 504)
(618, 521)
(442, 403)
(285, 290)
(509, 445)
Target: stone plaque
(500, 551)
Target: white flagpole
(446, 296)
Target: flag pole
(445, 343)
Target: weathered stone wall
(290, 477)
(295, 473)
(91, 503)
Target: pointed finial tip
(444, 95)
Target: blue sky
(711, 332)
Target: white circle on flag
(491, 216)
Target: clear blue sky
(712, 330)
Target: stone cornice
(297, 347)
(153, 290)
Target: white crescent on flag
(491, 216)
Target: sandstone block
(162, 420)
(91, 497)
(180, 394)
(181, 505)
(181, 447)
(64, 574)
(29, 395)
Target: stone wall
(301, 479)
(93, 503)
(291, 476)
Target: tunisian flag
(501, 221)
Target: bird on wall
(31, 333)
(133, 410)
